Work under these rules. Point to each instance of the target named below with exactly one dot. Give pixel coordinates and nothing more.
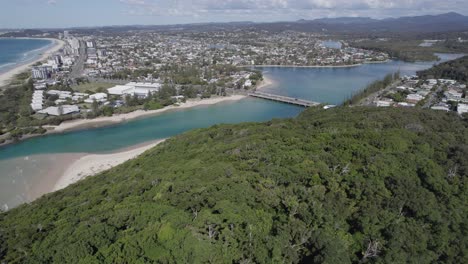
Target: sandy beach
(7, 76)
(266, 82)
(115, 119)
(92, 164)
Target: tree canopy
(344, 185)
(455, 70)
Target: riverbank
(79, 124)
(306, 66)
(93, 164)
(82, 124)
(319, 66)
(265, 83)
(56, 45)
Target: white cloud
(291, 8)
(52, 2)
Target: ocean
(15, 52)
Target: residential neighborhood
(436, 94)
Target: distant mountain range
(448, 22)
(429, 23)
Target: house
(40, 85)
(414, 98)
(37, 100)
(404, 104)
(60, 110)
(453, 95)
(60, 94)
(441, 106)
(462, 109)
(98, 97)
(384, 103)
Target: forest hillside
(344, 185)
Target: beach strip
(92, 164)
(6, 77)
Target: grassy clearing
(94, 87)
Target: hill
(455, 70)
(345, 185)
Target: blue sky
(69, 13)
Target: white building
(60, 110)
(37, 100)
(462, 108)
(441, 107)
(414, 98)
(453, 95)
(61, 94)
(40, 85)
(98, 97)
(90, 44)
(40, 72)
(133, 88)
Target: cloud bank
(256, 9)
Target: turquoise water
(150, 128)
(23, 169)
(18, 51)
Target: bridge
(284, 99)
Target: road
(432, 97)
(78, 67)
(369, 100)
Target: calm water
(334, 85)
(22, 168)
(19, 51)
(332, 44)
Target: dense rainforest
(454, 69)
(344, 185)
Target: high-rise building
(40, 72)
(58, 60)
(90, 44)
(66, 34)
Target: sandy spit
(92, 164)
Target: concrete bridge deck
(284, 99)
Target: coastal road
(78, 67)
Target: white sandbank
(6, 77)
(108, 120)
(266, 82)
(93, 164)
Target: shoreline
(56, 45)
(318, 66)
(79, 124)
(306, 66)
(90, 165)
(83, 124)
(265, 83)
